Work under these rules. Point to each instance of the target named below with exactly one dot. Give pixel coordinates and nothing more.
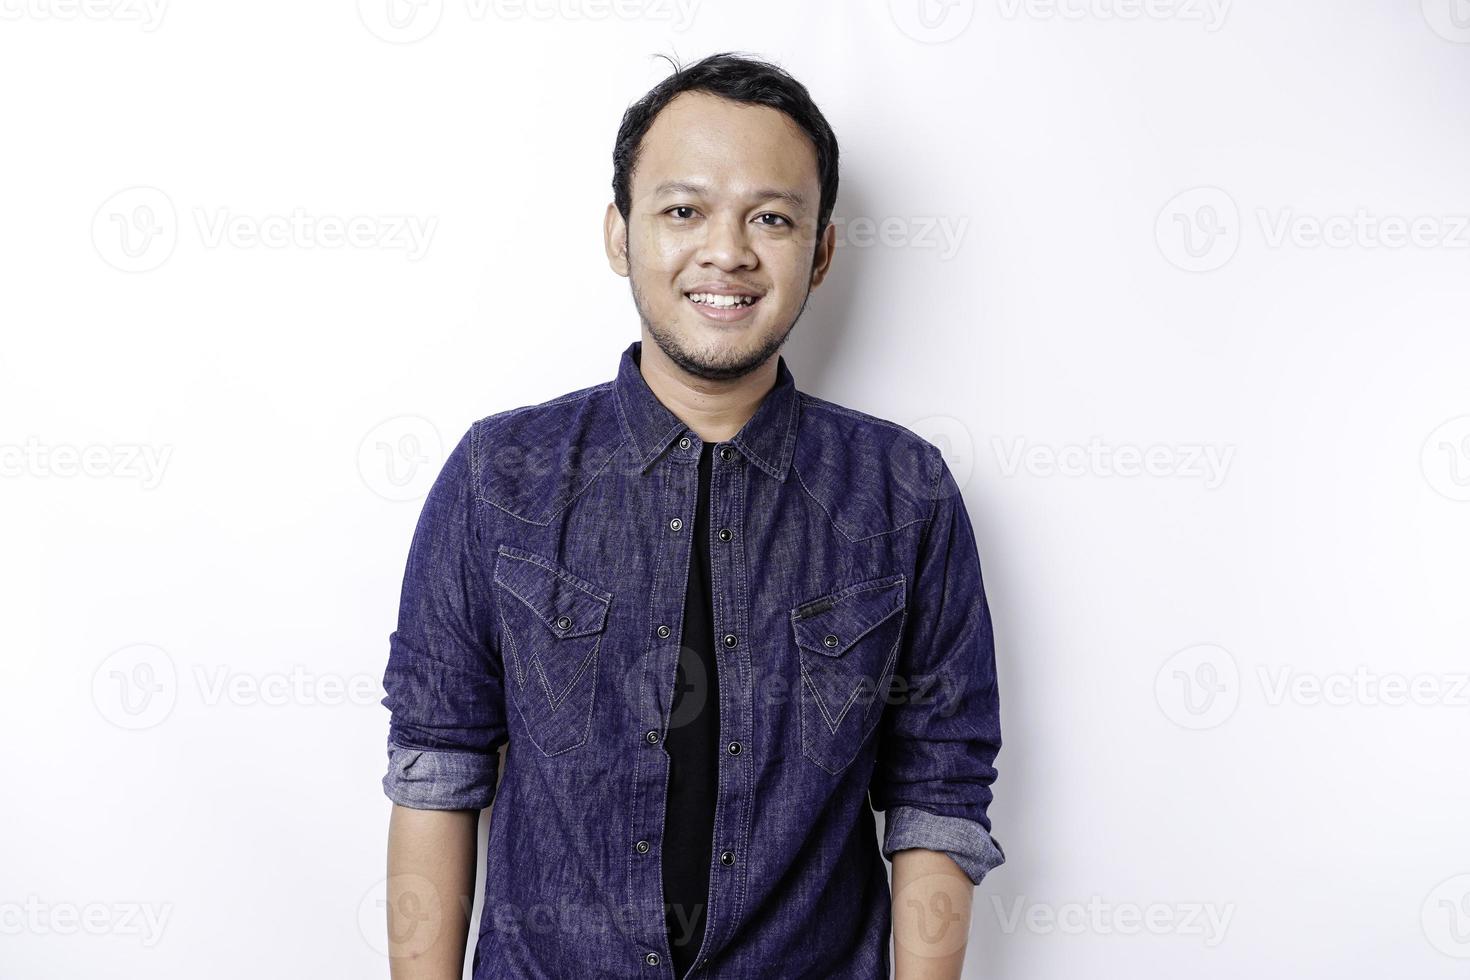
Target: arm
(431, 888)
(447, 728)
(931, 915)
(938, 739)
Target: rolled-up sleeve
(444, 681)
(940, 731)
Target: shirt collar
(767, 439)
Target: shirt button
(727, 453)
(664, 631)
(651, 959)
(652, 737)
(725, 534)
(641, 847)
(727, 858)
(729, 639)
(829, 640)
(684, 443)
(563, 623)
(734, 748)
(675, 524)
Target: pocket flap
(833, 623)
(567, 604)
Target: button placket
(650, 774)
(727, 566)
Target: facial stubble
(690, 362)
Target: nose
(727, 244)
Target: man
(708, 616)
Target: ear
(824, 255)
(615, 240)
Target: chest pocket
(847, 643)
(552, 626)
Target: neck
(715, 410)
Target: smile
(724, 308)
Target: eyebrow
(764, 194)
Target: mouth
(723, 308)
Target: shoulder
(530, 461)
(871, 474)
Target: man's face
(724, 201)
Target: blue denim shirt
(542, 606)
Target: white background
(1234, 695)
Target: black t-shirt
(693, 747)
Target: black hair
(740, 79)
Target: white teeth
(724, 302)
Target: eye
(681, 207)
(779, 217)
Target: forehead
(731, 146)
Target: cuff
(968, 843)
(440, 780)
